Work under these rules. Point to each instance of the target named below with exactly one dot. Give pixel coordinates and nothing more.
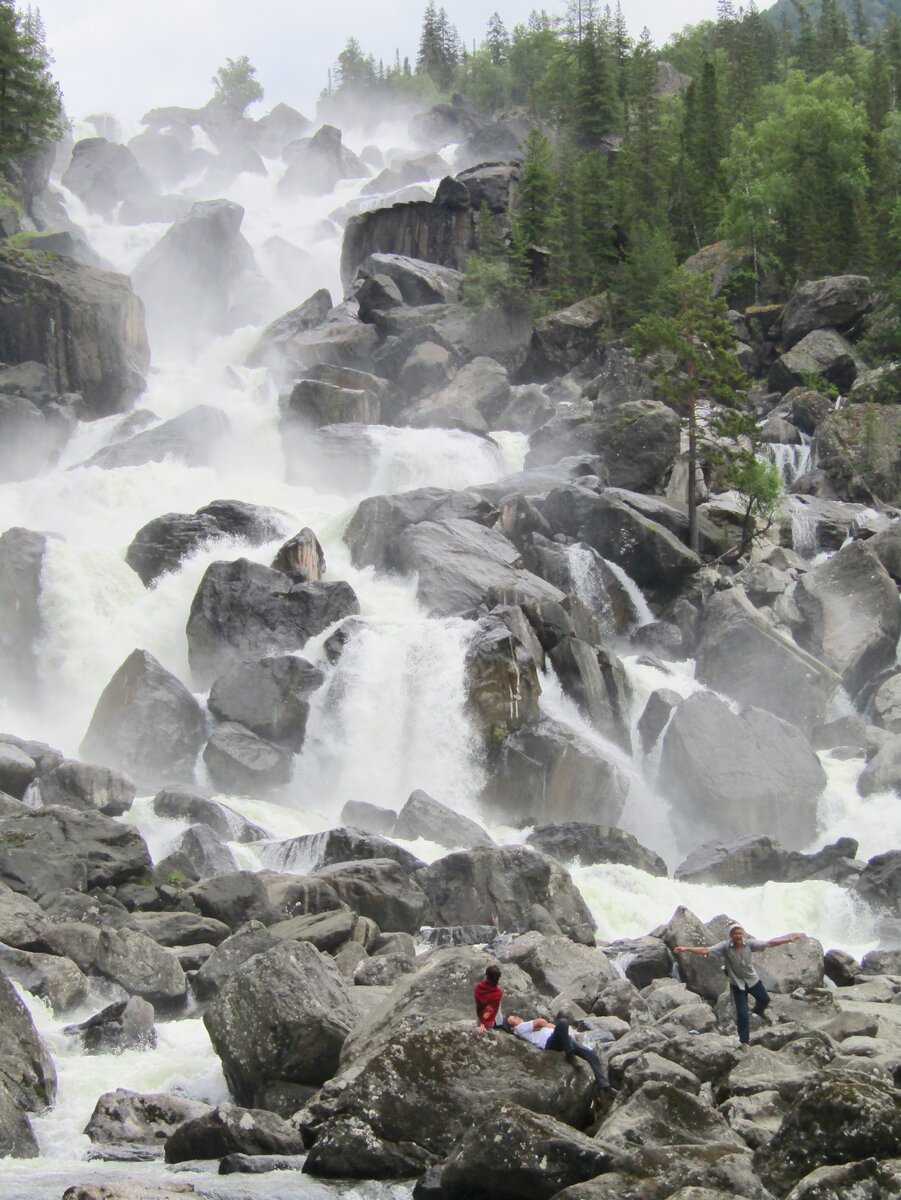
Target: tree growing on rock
(30, 101)
(236, 85)
(694, 363)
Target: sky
(126, 56)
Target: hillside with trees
(786, 144)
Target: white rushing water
(392, 715)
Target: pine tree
(497, 40)
(697, 362)
(596, 109)
(30, 102)
(640, 176)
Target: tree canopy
(236, 85)
(30, 100)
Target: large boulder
(637, 442)
(734, 774)
(192, 279)
(228, 1129)
(858, 449)
(22, 553)
(836, 302)
(126, 1025)
(188, 804)
(548, 771)
(130, 1118)
(741, 655)
(307, 316)
(458, 563)
(423, 817)
(282, 1015)
(503, 886)
(822, 352)
(379, 888)
(278, 128)
(316, 164)
(243, 610)
(514, 1154)
(563, 340)
(142, 967)
(661, 1115)
(418, 282)
(45, 850)
(190, 438)
(239, 762)
(450, 1073)
(646, 550)
(596, 679)
(753, 861)
(271, 698)
(845, 1118)
(438, 989)
(378, 518)
(502, 663)
(85, 787)
(558, 966)
(146, 722)
(162, 544)
(879, 883)
(851, 614)
(587, 843)
(27, 1075)
(345, 844)
(315, 402)
(102, 174)
(86, 325)
(441, 231)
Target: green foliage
(440, 48)
(30, 101)
(798, 181)
(235, 84)
(815, 381)
(694, 361)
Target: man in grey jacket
(743, 979)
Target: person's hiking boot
(763, 1016)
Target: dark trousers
(562, 1040)
(740, 999)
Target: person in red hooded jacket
(488, 997)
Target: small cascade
(793, 461)
(588, 585)
(804, 530)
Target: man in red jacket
(488, 997)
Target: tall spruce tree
(30, 102)
(695, 348)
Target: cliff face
(84, 324)
(434, 231)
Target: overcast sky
(125, 56)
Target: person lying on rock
(551, 1036)
(488, 997)
(743, 979)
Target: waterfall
(392, 714)
(793, 461)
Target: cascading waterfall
(392, 715)
(793, 460)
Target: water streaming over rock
(392, 715)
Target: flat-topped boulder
(586, 843)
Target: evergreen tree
(641, 166)
(696, 348)
(596, 108)
(30, 102)
(699, 176)
(235, 85)
(497, 40)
